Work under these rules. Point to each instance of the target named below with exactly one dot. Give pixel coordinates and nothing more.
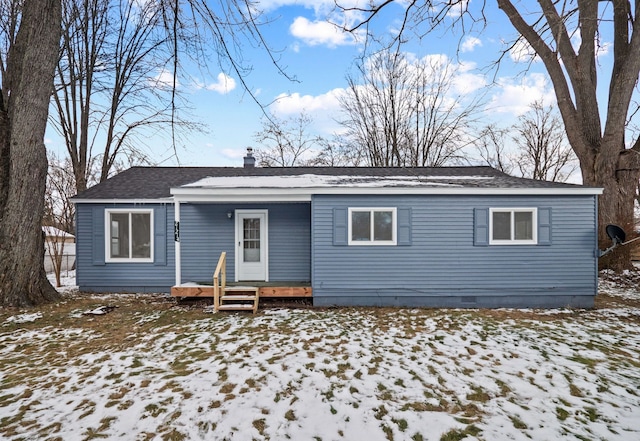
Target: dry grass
(421, 348)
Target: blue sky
(320, 57)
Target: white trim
(264, 194)
(259, 195)
(372, 242)
(177, 249)
(107, 235)
(534, 221)
(264, 242)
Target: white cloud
(291, 104)
(320, 7)
(224, 85)
(456, 10)
(465, 83)
(316, 33)
(164, 80)
(323, 109)
(470, 43)
(234, 153)
(515, 97)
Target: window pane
(501, 225)
(523, 225)
(360, 225)
(119, 223)
(141, 235)
(382, 225)
(251, 235)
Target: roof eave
(166, 200)
(184, 194)
(191, 194)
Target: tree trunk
(619, 179)
(28, 84)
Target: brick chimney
(249, 160)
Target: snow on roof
(56, 232)
(318, 181)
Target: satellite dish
(615, 233)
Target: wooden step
(235, 307)
(241, 289)
(237, 297)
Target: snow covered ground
(155, 370)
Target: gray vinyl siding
(444, 266)
(94, 275)
(206, 231)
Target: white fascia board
(304, 194)
(459, 191)
(168, 200)
(238, 197)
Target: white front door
(251, 245)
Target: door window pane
(361, 226)
(251, 239)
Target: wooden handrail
(219, 280)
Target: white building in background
(62, 241)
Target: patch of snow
(67, 281)
(321, 181)
(347, 373)
(24, 318)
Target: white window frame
(394, 228)
(534, 221)
(107, 236)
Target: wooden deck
(265, 289)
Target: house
(435, 237)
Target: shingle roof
(142, 183)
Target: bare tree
(59, 211)
(607, 158)
(492, 146)
(28, 58)
(534, 147)
(286, 143)
(405, 112)
(118, 76)
(543, 152)
(337, 152)
(109, 82)
(376, 111)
